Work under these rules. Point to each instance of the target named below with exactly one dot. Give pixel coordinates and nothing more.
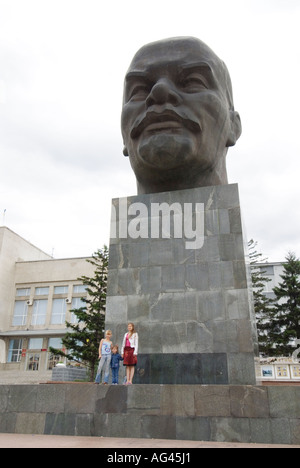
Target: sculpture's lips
(163, 121)
(163, 126)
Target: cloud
(61, 82)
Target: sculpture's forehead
(179, 51)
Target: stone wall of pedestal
(185, 288)
(218, 413)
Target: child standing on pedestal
(115, 364)
(105, 358)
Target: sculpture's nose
(163, 92)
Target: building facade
(272, 271)
(37, 294)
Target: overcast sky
(62, 65)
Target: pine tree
(286, 313)
(262, 304)
(82, 343)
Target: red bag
(129, 358)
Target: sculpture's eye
(193, 83)
(138, 92)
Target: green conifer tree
(262, 303)
(286, 312)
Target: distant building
(273, 272)
(37, 294)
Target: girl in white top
(129, 352)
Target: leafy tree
(82, 343)
(262, 304)
(286, 312)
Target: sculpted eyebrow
(135, 74)
(202, 68)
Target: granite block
(114, 400)
(118, 306)
(158, 427)
(4, 396)
(281, 431)
(230, 430)
(193, 428)
(171, 368)
(180, 402)
(261, 431)
(197, 277)
(54, 395)
(227, 196)
(60, 424)
(186, 303)
(150, 279)
(295, 431)
(22, 398)
(212, 401)
(249, 402)
(30, 423)
(173, 278)
(144, 398)
(138, 308)
(240, 368)
(284, 402)
(80, 398)
(8, 422)
(84, 425)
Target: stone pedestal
(177, 270)
(216, 413)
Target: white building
(273, 272)
(37, 294)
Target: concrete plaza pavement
(54, 441)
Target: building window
(267, 270)
(55, 343)
(33, 361)
(61, 289)
(39, 312)
(79, 288)
(77, 303)
(42, 291)
(23, 292)
(33, 358)
(35, 343)
(59, 307)
(15, 350)
(20, 313)
(52, 359)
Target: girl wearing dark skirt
(129, 352)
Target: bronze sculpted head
(178, 118)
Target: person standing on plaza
(105, 358)
(129, 352)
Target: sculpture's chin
(166, 151)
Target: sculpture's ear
(125, 151)
(236, 128)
